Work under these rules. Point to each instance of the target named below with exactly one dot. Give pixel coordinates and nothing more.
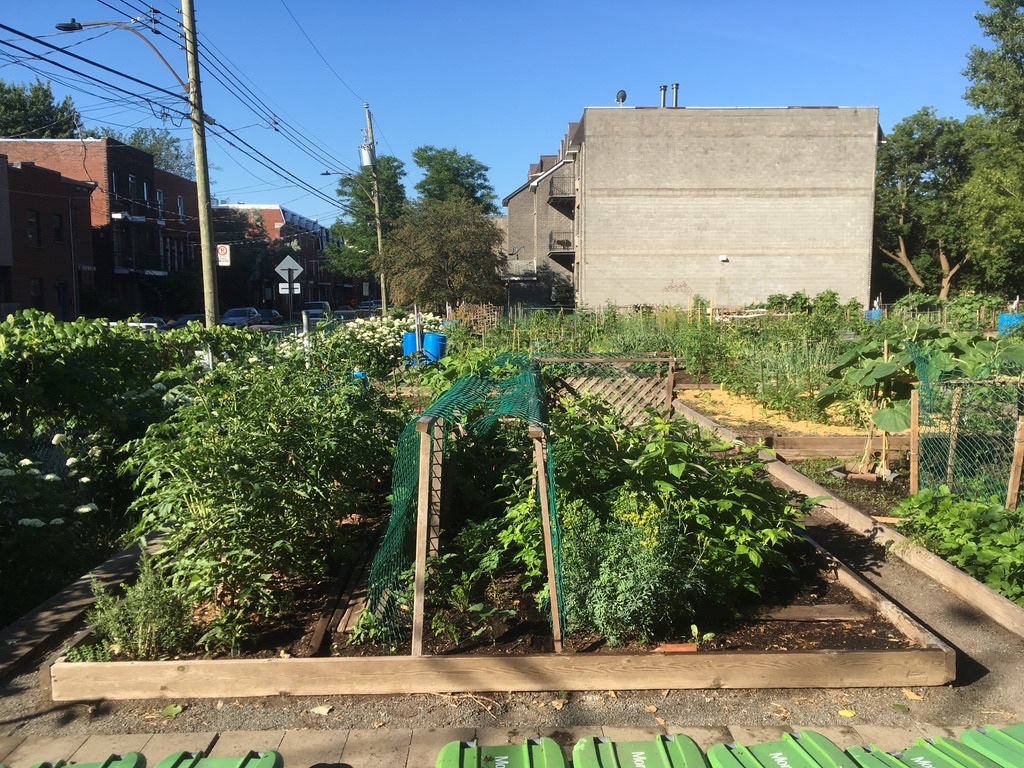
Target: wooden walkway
(405, 748)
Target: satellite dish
(620, 97)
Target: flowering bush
(372, 345)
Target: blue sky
(499, 81)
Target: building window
(36, 292)
(58, 228)
(159, 203)
(132, 189)
(113, 183)
(181, 208)
(33, 232)
(145, 192)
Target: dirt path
(746, 416)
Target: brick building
(46, 258)
(144, 224)
(659, 205)
(277, 232)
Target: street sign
(283, 288)
(289, 269)
(223, 255)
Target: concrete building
(661, 205)
(46, 258)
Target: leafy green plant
(982, 538)
(368, 630)
(698, 638)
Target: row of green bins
(127, 760)
(677, 751)
(268, 759)
(934, 753)
(805, 749)
(533, 753)
(1003, 746)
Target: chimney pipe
(664, 89)
(675, 94)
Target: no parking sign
(223, 255)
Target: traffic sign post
(290, 269)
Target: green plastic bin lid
(677, 751)
(942, 753)
(533, 753)
(1003, 746)
(806, 749)
(127, 760)
(873, 757)
(252, 759)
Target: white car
(241, 317)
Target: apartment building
(661, 205)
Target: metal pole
(291, 295)
(376, 204)
(202, 166)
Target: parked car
(373, 305)
(347, 315)
(241, 317)
(271, 317)
(183, 320)
(318, 311)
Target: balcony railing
(560, 242)
(562, 186)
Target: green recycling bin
(268, 759)
(127, 760)
(1004, 746)
(677, 751)
(533, 753)
(925, 753)
(805, 749)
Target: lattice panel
(628, 394)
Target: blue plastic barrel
(408, 343)
(434, 345)
(1007, 322)
(873, 315)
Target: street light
(195, 98)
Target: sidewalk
(409, 748)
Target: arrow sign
(289, 268)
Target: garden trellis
(968, 432)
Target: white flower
(25, 463)
(58, 439)
(84, 480)
(31, 522)
(32, 471)
(51, 477)
(71, 461)
(95, 452)
(57, 521)
(84, 509)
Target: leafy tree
(444, 251)
(997, 73)
(357, 231)
(448, 174)
(30, 112)
(919, 218)
(169, 152)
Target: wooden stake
(954, 433)
(915, 440)
(1013, 489)
(670, 386)
(425, 426)
(537, 433)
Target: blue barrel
(1007, 322)
(408, 343)
(434, 345)
(873, 315)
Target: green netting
(476, 402)
(966, 426)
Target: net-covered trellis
(476, 403)
(967, 427)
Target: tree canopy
(997, 73)
(30, 112)
(444, 251)
(447, 174)
(357, 230)
(169, 152)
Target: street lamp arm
(76, 26)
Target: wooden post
(915, 440)
(425, 426)
(537, 433)
(670, 386)
(1013, 489)
(954, 434)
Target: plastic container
(1007, 322)
(409, 344)
(434, 346)
(873, 315)
(533, 753)
(806, 749)
(127, 760)
(677, 751)
(1003, 746)
(268, 759)
(361, 378)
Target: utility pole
(368, 158)
(195, 97)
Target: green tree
(356, 232)
(169, 152)
(448, 174)
(444, 251)
(30, 112)
(919, 216)
(997, 73)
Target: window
(159, 203)
(181, 208)
(132, 188)
(36, 292)
(32, 228)
(58, 228)
(113, 184)
(145, 192)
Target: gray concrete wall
(785, 195)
